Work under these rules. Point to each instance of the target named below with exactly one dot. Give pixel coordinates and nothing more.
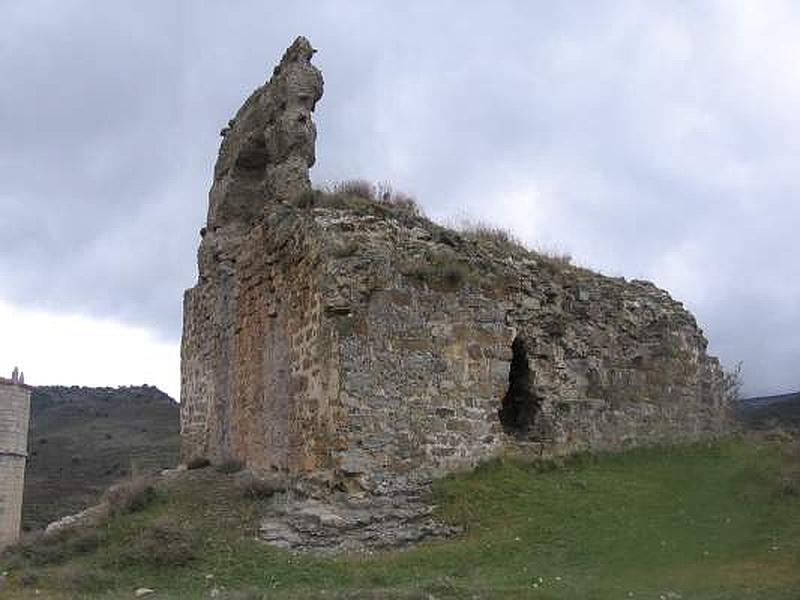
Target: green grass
(703, 522)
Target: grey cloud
(661, 147)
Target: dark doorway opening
(521, 405)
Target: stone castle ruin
(333, 333)
(14, 416)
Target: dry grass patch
(788, 479)
(440, 271)
(162, 543)
(555, 259)
(129, 496)
(256, 487)
(482, 232)
(362, 197)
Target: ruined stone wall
(260, 381)
(613, 363)
(284, 359)
(374, 345)
(244, 345)
(423, 375)
(14, 416)
(351, 336)
(452, 350)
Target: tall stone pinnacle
(269, 146)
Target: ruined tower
(346, 334)
(14, 415)
(264, 159)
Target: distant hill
(83, 439)
(768, 411)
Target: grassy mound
(705, 522)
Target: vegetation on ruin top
(468, 252)
(710, 521)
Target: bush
(398, 201)
(28, 579)
(76, 578)
(309, 199)
(732, 384)
(483, 232)
(453, 274)
(355, 188)
(259, 487)
(554, 259)
(40, 549)
(344, 248)
(362, 197)
(163, 543)
(507, 242)
(36, 550)
(84, 540)
(440, 271)
(129, 496)
(789, 473)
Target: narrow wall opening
(520, 405)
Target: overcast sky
(656, 140)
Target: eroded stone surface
(350, 524)
(269, 146)
(85, 518)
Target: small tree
(732, 383)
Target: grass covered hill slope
(83, 439)
(706, 522)
(770, 411)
